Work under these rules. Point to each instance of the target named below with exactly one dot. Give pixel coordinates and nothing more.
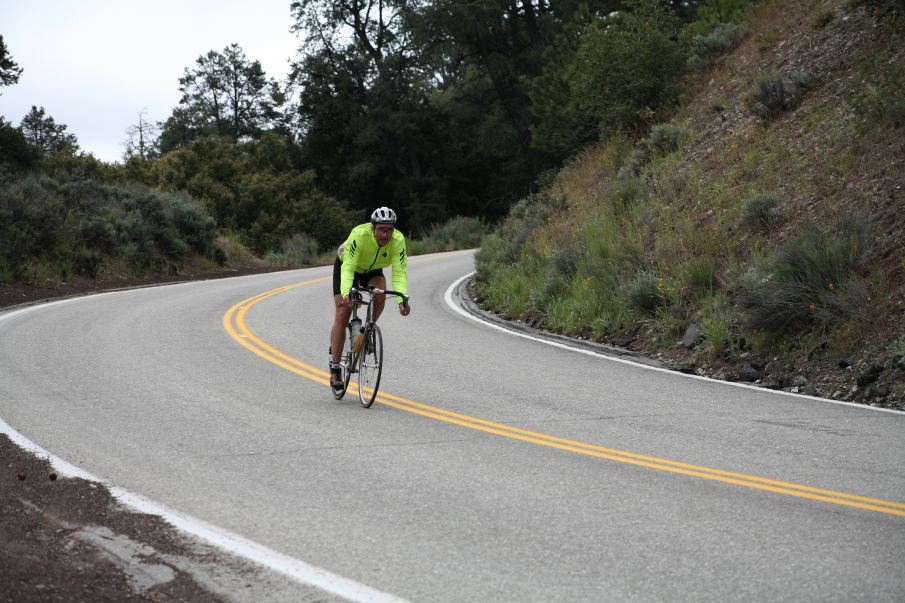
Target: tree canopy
(627, 66)
(225, 94)
(255, 189)
(45, 135)
(9, 69)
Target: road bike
(363, 352)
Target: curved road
(494, 468)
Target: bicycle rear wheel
(371, 365)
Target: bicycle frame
(356, 299)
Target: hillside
(759, 235)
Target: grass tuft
(645, 294)
(699, 276)
(762, 214)
(814, 279)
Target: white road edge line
(295, 569)
(231, 543)
(455, 307)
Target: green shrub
(495, 253)
(628, 66)
(762, 214)
(774, 95)
(698, 276)
(508, 292)
(87, 263)
(882, 101)
(626, 195)
(814, 279)
(81, 167)
(69, 225)
(98, 233)
(191, 224)
(667, 325)
(564, 261)
(459, 232)
(576, 287)
(705, 48)
(613, 315)
(823, 19)
(720, 323)
(503, 246)
(218, 255)
(16, 154)
(663, 140)
(579, 308)
(556, 272)
(645, 294)
(891, 110)
(712, 13)
(254, 189)
(666, 138)
(603, 273)
(33, 225)
(560, 315)
(553, 288)
(298, 250)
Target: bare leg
(338, 332)
(379, 301)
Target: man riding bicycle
(360, 261)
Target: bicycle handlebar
(377, 291)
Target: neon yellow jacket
(361, 253)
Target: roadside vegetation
(58, 228)
(754, 230)
(727, 174)
(76, 217)
(283, 169)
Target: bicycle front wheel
(370, 366)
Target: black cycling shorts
(360, 280)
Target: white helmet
(383, 215)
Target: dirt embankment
(65, 539)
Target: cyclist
(360, 261)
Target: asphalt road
(495, 468)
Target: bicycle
(364, 347)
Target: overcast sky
(94, 65)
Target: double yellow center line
(235, 325)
